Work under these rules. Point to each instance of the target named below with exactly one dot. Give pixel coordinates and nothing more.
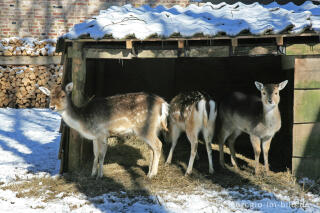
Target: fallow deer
(141, 114)
(192, 112)
(258, 117)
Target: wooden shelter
(100, 67)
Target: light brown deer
(258, 117)
(192, 112)
(133, 113)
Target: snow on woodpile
(27, 47)
(208, 19)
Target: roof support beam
(129, 44)
(181, 44)
(279, 41)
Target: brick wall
(52, 18)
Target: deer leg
(197, 156)
(266, 147)
(208, 140)
(193, 138)
(151, 162)
(231, 142)
(174, 134)
(256, 144)
(96, 157)
(102, 153)
(156, 146)
(223, 135)
(156, 157)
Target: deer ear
(69, 87)
(45, 90)
(259, 85)
(283, 84)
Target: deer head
(270, 93)
(58, 96)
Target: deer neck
(70, 115)
(271, 114)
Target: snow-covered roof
(209, 20)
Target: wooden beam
(181, 44)
(234, 42)
(287, 62)
(279, 40)
(78, 98)
(255, 50)
(108, 53)
(303, 49)
(129, 44)
(306, 106)
(157, 54)
(63, 149)
(306, 167)
(306, 139)
(24, 60)
(307, 73)
(208, 51)
(65, 70)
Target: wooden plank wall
(306, 128)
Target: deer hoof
(223, 165)
(211, 171)
(188, 173)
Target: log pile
(27, 47)
(19, 84)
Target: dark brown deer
(192, 112)
(133, 113)
(258, 117)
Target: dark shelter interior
(217, 76)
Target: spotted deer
(192, 112)
(258, 117)
(133, 113)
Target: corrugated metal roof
(208, 20)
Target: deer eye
(276, 93)
(263, 93)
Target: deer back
(193, 107)
(137, 113)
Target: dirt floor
(126, 166)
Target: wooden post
(78, 98)
(234, 45)
(180, 44)
(279, 40)
(128, 44)
(64, 129)
(306, 116)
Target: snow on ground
(208, 19)
(29, 143)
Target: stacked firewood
(27, 47)
(19, 84)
